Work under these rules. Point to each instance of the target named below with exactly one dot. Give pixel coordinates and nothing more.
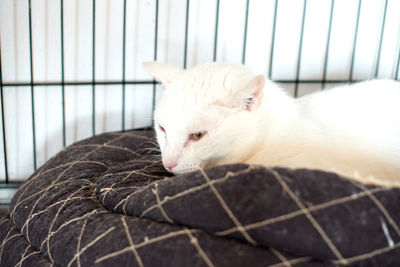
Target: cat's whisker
(151, 142)
(149, 149)
(153, 158)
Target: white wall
(140, 35)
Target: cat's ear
(250, 94)
(162, 72)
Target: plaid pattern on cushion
(107, 201)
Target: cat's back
(367, 91)
(362, 103)
(366, 113)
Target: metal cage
(8, 184)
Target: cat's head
(206, 115)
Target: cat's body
(219, 113)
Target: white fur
(351, 130)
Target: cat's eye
(197, 135)
(161, 128)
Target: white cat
(220, 113)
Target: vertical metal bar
(123, 66)
(32, 86)
(156, 33)
(296, 88)
(62, 71)
(271, 54)
(216, 32)
(2, 121)
(93, 68)
(155, 54)
(328, 45)
(380, 40)
(245, 33)
(186, 34)
(355, 42)
(396, 74)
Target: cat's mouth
(186, 168)
(178, 171)
(183, 171)
(191, 167)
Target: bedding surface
(107, 201)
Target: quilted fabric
(107, 201)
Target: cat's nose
(169, 164)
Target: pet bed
(107, 201)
